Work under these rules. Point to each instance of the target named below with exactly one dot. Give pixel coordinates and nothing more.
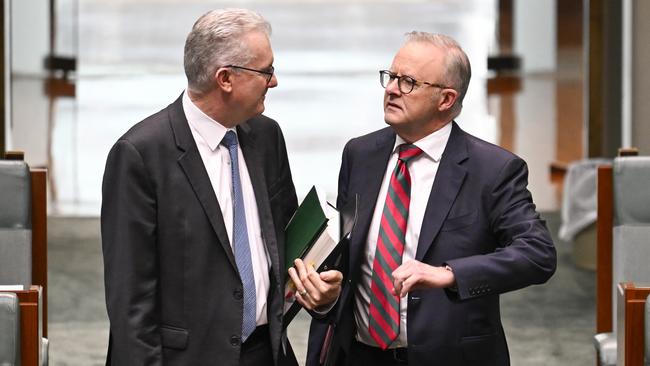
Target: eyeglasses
(268, 72)
(405, 83)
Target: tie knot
(408, 152)
(230, 139)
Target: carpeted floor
(550, 324)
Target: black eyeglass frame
(408, 80)
(269, 72)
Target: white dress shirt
(423, 171)
(208, 134)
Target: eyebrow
(403, 75)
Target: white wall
(535, 136)
(29, 107)
(535, 34)
(29, 36)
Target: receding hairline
(438, 40)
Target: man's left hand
(414, 275)
(313, 289)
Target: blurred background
(556, 82)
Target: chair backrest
(631, 233)
(15, 224)
(9, 329)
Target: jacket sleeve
(128, 227)
(525, 254)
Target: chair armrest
(631, 311)
(647, 330)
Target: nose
(274, 82)
(393, 87)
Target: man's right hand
(313, 289)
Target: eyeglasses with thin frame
(268, 72)
(405, 83)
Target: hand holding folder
(317, 234)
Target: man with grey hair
(445, 225)
(195, 201)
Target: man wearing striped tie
(445, 225)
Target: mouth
(392, 105)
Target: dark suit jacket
(480, 220)
(173, 292)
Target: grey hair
(216, 40)
(457, 67)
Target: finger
(300, 287)
(332, 281)
(397, 286)
(314, 278)
(407, 285)
(319, 284)
(304, 301)
(331, 276)
(402, 272)
(300, 267)
(313, 286)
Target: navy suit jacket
(173, 292)
(480, 220)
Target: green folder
(306, 225)
(306, 237)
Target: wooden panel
(595, 61)
(570, 121)
(505, 25)
(39, 235)
(569, 23)
(4, 51)
(604, 227)
(604, 52)
(631, 327)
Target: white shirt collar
(433, 145)
(210, 130)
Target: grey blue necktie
(241, 246)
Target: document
(317, 233)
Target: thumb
(331, 276)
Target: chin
(391, 120)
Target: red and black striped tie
(384, 306)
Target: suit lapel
(255, 165)
(372, 174)
(192, 164)
(449, 179)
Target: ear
(448, 99)
(223, 79)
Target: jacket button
(235, 340)
(238, 294)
